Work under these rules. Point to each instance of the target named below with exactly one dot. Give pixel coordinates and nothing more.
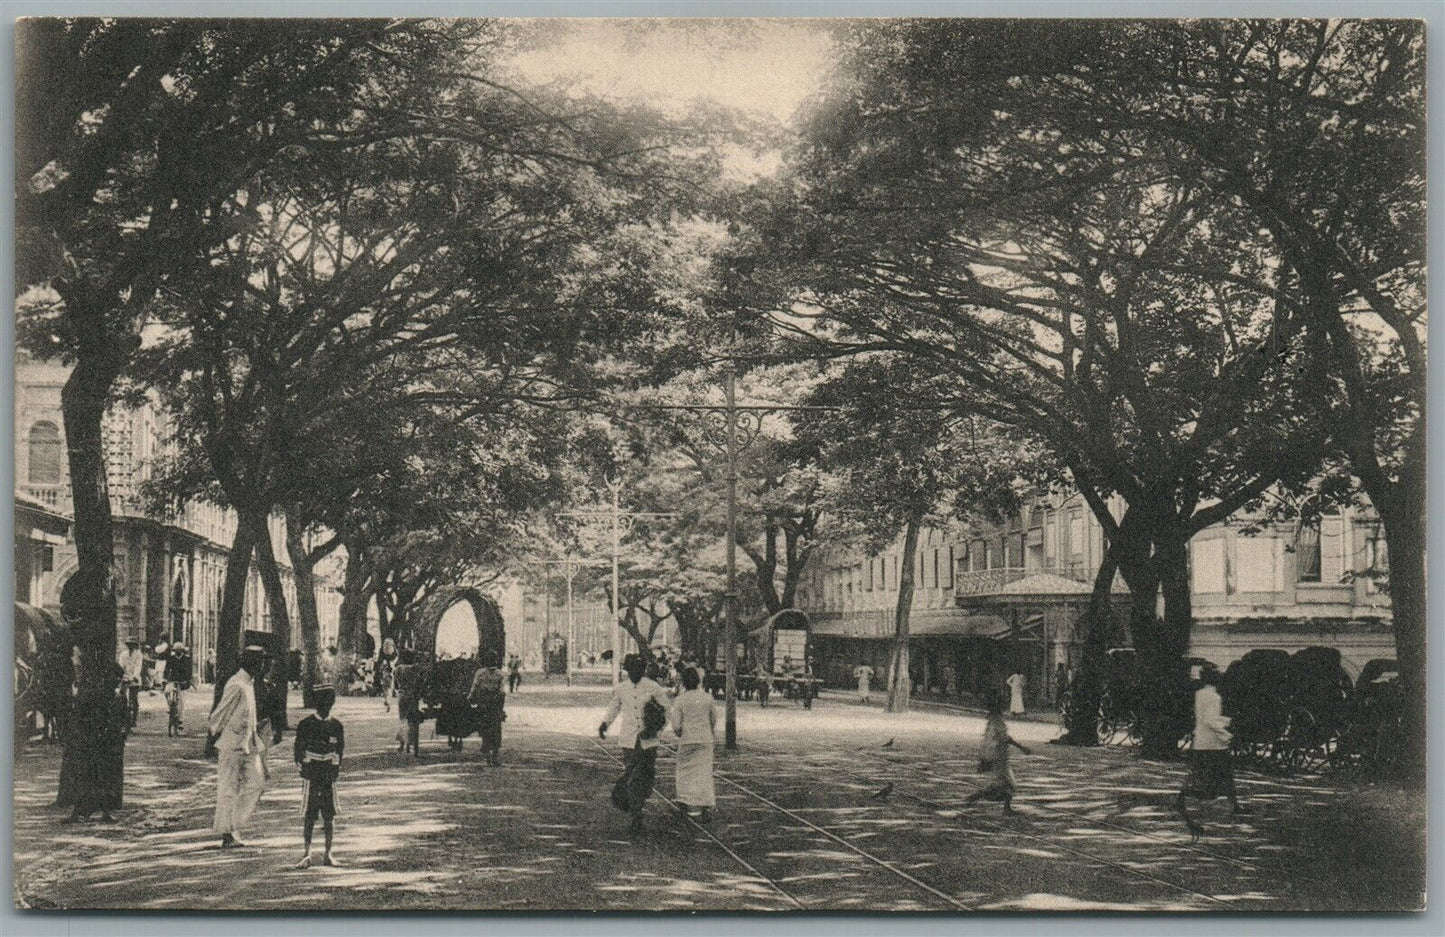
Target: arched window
(45, 453)
(1307, 550)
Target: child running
(994, 758)
(320, 741)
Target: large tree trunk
(280, 624)
(899, 680)
(1404, 521)
(354, 597)
(88, 598)
(1087, 687)
(233, 599)
(1146, 630)
(1166, 713)
(310, 619)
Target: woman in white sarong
(695, 720)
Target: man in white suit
(241, 762)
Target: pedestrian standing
(695, 722)
(994, 759)
(640, 708)
(486, 694)
(1211, 769)
(409, 707)
(864, 675)
(132, 664)
(1016, 694)
(101, 720)
(1061, 683)
(387, 672)
(514, 674)
(177, 674)
(320, 743)
(241, 761)
(764, 681)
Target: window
(45, 453)
(1051, 546)
(1307, 551)
(1258, 568)
(1377, 561)
(1076, 533)
(947, 581)
(1208, 566)
(933, 570)
(868, 581)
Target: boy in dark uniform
(320, 741)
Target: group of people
(240, 728)
(641, 709)
(639, 713)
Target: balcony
(53, 497)
(985, 581)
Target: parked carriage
(1372, 736)
(429, 688)
(44, 672)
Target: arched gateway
(491, 632)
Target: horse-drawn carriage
(44, 673)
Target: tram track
(1097, 821)
(1002, 829)
(753, 870)
(875, 861)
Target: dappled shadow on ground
(1095, 829)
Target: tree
(903, 452)
(1082, 287)
(1279, 116)
(131, 133)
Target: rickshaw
(1119, 701)
(1319, 709)
(1372, 735)
(1258, 690)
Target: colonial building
(994, 600)
(170, 570)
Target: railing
(48, 495)
(979, 581)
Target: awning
(926, 622)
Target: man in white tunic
(1016, 694)
(241, 764)
(864, 675)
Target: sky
(766, 67)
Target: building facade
(169, 568)
(999, 599)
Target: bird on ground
(888, 744)
(883, 792)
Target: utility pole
(615, 484)
(731, 428)
(620, 522)
(571, 572)
(730, 627)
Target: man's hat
(255, 649)
(323, 688)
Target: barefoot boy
(320, 741)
